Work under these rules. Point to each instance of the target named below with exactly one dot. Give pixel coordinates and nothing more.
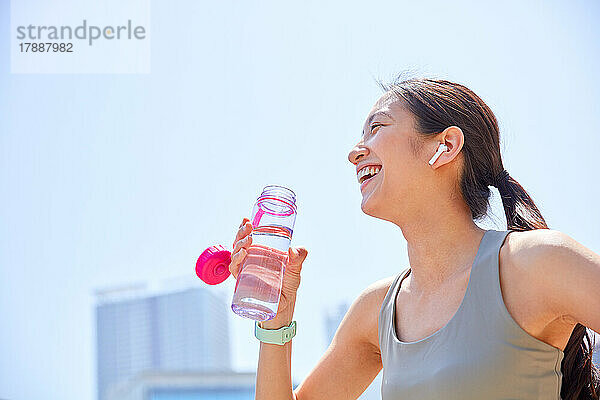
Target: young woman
(479, 314)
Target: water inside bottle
(257, 289)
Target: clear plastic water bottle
(258, 286)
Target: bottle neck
(281, 194)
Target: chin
(376, 204)
(369, 212)
(371, 198)
(369, 204)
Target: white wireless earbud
(442, 148)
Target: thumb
(297, 255)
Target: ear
(454, 139)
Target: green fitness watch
(275, 336)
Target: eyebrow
(378, 113)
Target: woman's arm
(346, 369)
(273, 376)
(353, 359)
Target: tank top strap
(483, 293)
(385, 322)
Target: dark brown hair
(438, 104)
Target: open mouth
(368, 173)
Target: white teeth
(367, 171)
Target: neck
(440, 247)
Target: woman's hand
(291, 276)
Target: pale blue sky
(112, 179)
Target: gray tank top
(481, 353)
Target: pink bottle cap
(213, 265)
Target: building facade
(139, 332)
(174, 385)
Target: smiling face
(405, 180)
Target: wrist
(280, 320)
(279, 336)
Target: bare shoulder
(371, 298)
(363, 314)
(525, 250)
(377, 290)
(539, 250)
(549, 283)
(521, 261)
(532, 242)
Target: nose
(356, 153)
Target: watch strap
(275, 336)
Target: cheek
(390, 178)
(398, 174)
(398, 161)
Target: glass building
(139, 332)
(186, 386)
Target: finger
(242, 230)
(244, 242)
(236, 262)
(244, 220)
(297, 255)
(298, 252)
